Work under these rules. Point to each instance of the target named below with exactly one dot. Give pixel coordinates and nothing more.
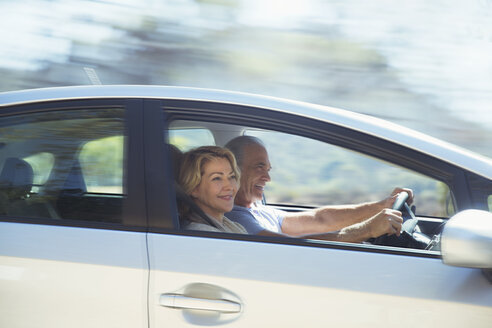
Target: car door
(72, 220)
(212, 279)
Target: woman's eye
(233, 177)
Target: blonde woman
(210, 177)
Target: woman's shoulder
(200, 226)
(226, 226)
(234, 226)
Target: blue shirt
(257, 218)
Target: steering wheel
(406, 238)
(409, 219)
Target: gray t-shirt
(257, 218)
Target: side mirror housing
(466, 240)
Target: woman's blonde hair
(191, 168)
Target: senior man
(347, 223)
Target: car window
(63, 165)
(313, 173)
(490, 203)
(308, 173)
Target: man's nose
(266, 176)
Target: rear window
(65, 164)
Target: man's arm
(386, 221)
(336, 218)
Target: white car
(90, 236)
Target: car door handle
(178, 301)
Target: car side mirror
(466, 240)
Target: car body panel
(79, 274)
(293, 285)
(55, 276)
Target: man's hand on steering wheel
(386, 222)
(401, 199)
(389, 201)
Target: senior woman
(210, 177)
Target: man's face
(254, 175)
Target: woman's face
(215, 193)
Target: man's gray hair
(237, 145)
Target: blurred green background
(422, 64)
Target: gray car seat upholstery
(16, 181)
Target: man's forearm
(328, 218)
(339, 217)
(354, 234)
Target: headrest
(183, 199)
(16, 177)
(75, 182)
(176, 156)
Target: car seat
(16, 178)
(16, 181)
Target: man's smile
(260, 187)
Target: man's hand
(387, 221)
(389, 201)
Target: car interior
(41, 175)
(59, 188)
(419, 232)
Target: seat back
(16, 178)
(75, 183)
(75, 203)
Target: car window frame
(276, 120)
(133, 208)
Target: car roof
(431, 146)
